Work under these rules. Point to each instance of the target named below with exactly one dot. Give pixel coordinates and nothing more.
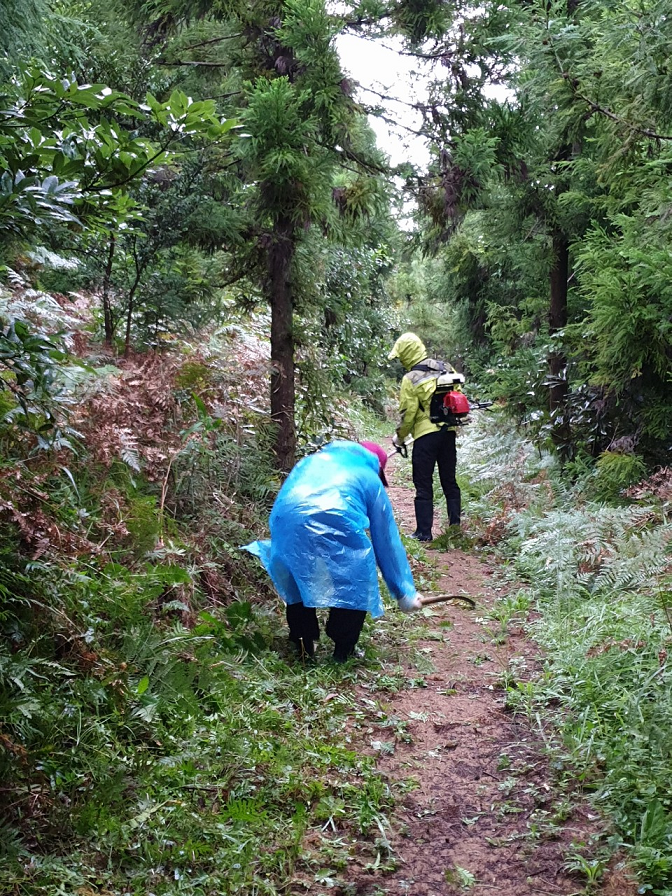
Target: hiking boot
(421, 536)
(343, 654)
(305, 649)
(453, 505)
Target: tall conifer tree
(284, 82)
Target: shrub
(615, 472)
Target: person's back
(432, 444)
(319, 526)
(416, 388)
(320, 554)
(340, 478)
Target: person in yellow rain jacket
(432, 444)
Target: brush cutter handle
(399, 447)
(479, 405)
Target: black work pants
(428, 451)
(343, 627)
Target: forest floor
(487, 812)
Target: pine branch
(607, 113)
(212, 40)
(371, 167)
(224, 96)
(235, 278)
(362, 21)
(596, 107)
(194, 64)
(393, 99)
(397, 124)
(432, 56)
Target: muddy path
(485, 813)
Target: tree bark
(129, 317)
(557, 313)
(280, 255)
(139, 269)
(557, 318)
(561, 433)
(108, 320)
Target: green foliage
(121, 722)
(304, 175)
(513, 186)
(22, 25)
(294, 181)
(598, 575)
(421, 20)
(64, 158)
(343, 335)
(30, 406)
(216, 462)
(607, 634)
(615, 472)
(155, 278)
(71, 153)
(150, 716)
(219, 463)
(625, 277)
(630, 298)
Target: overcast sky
(378, 65)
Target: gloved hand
(410, 603)
(399, 446)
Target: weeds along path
(484, 814)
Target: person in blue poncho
(320, 554)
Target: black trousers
(428, 451)
(343, 627)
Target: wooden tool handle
(442, 598)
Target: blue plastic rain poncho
(319, 553)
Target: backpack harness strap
(434, 369)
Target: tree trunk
(557, 313)
(139, 269)
(129, 316)
(561, 433)
(280, 255)
(108, 320)
(557, 318)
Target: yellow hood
(410, 350)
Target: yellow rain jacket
(417, 387)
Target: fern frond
(128, 450)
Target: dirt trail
(484, 815)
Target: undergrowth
(600, 577)
(153, 741)
(156, 734)
(204, 761)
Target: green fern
(600, 577)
